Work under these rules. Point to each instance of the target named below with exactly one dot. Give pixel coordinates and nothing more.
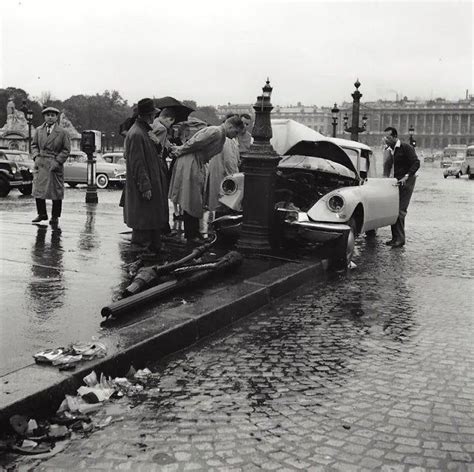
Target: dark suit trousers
(41, 207)
(405, 193)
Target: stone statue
(11, 107)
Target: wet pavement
(371, 371)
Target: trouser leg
(405, 193)
(191, 226)
(57, 208)
(41, 207)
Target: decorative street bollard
(258, 166)
(88, 146)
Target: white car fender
(321, 212)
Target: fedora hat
(146, 106)
(50, 109)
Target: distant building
(437, 123)
(316, 118)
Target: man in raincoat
(50, 149)
(145, 206)
(189, 172)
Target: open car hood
(292, 138)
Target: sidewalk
(56, 282)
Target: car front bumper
(298, 228)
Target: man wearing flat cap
(146, 204)
(50, 149)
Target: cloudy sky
(222, 51)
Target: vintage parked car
(114, 158)
(455, 169)
(325, 191)
(75, 171)
(15, 172)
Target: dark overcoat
(145, 171)
(47, 183)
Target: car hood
(292, 138)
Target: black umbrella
(182, 111)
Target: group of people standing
(193, 184)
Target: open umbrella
(182, 111)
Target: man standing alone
(145, 191)
(405, 165)
(50, 149)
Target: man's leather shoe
(40, 218)
(54, 221)
(390, 243)
(398, 244)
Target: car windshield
(17, 157)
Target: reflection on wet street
(370, 371)
(54, 281)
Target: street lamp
(411, 131)
(355, 129)
(259, 167)
(103, 143)
(112, 136)
(29, 119)
(335, 113)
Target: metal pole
(29, 136)
(91, 192)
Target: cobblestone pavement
(371, 371)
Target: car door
(380, 199)
(75, 169)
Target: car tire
(26, 189)
(445, 176)
(458, 175)
(344, 248)
(102, 181)
(4, 186)
(72, 184)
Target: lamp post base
(259, 166)
(91, 196)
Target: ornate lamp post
(88, 146)
(355, 129)
(411, 131)
(29, 120)
(259, 165)
(335, 113)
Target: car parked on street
(455, 169)
(107, 174)
(15, 172)
(326, 191)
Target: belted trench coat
(47, 151)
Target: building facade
(437, 123)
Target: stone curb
(36, 390)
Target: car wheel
(72, 184)
(344, 248)
(102, 181)
(26, 189)
(445, 176)
(4, 186)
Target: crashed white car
(325, 190)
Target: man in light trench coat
(189, 171)
(50, 149)
(146, 202)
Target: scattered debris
(66, 358)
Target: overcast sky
(218, 52)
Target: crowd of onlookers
(165, 161)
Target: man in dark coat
(405, 166)
(50, 149)
(145, 206)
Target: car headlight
(228, 186)
(336, 203)
(13, 170)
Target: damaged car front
(320, 197)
